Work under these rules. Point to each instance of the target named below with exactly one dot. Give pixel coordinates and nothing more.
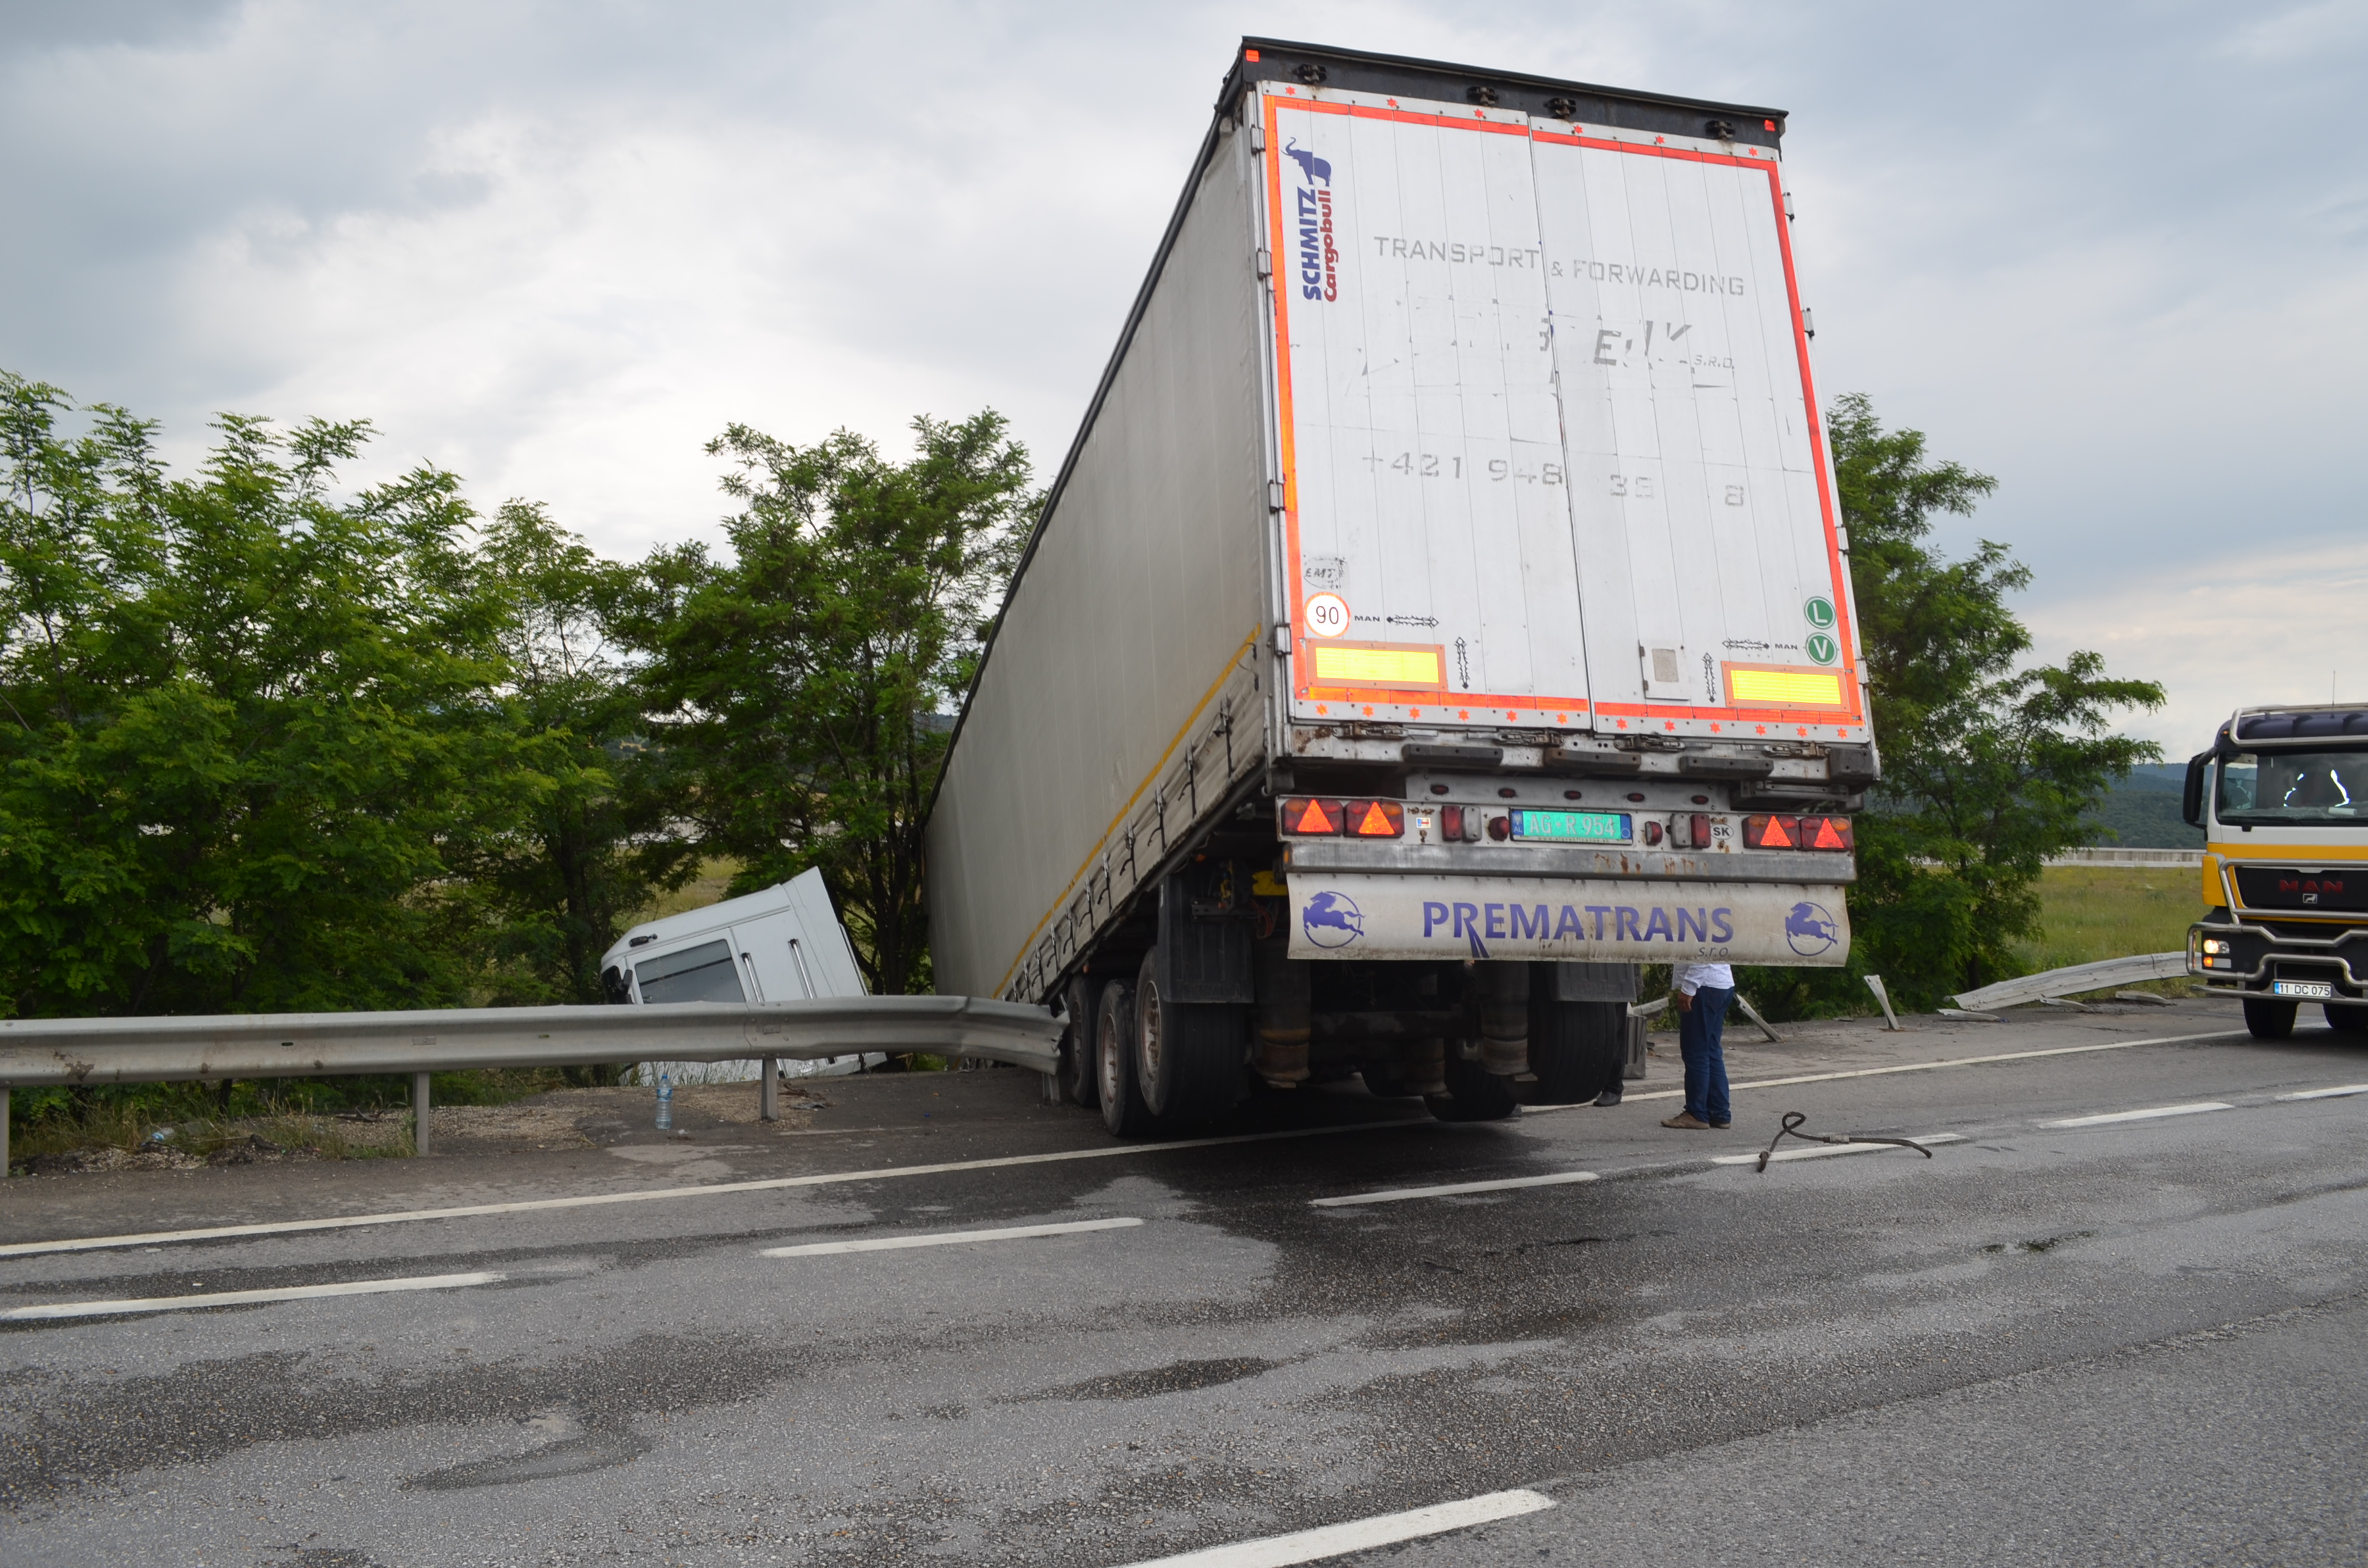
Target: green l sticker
(1821, 612)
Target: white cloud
(2114, 260)
(2274, 626)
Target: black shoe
(1609, 1096)
(1722, 1126)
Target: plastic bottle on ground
(665, 1102)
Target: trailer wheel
(2352, 1017)
(1576, 1049)
(2269, 1018)
(1188, 1054)
(1123, 1111)
(1080, 1077)
(1473, 1093)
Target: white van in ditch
(780, 945)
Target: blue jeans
(1699, 1028)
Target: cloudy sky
(2114, 253)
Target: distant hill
(2142, 811)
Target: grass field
(2110, 912)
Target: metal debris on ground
(1792, 1129)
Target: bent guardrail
(2075, 979)
(37, 1052)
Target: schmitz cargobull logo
(1319, 259)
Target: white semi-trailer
(1442, 611)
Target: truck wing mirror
(2191, 799)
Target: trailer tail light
(1310, 818)
(1826, 833)
(1771, 832)
(1461, 825)
(1700, 827)
(1376, 819)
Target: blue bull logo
(1811, 929)
(1332, 920)
(1311, 168)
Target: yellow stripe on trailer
(1786, 688)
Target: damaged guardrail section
(36, 1053)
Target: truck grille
(2279, 887)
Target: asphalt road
(2124, 1342)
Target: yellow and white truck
(2282, 798)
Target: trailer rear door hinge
(1257, 137)
(1282, 637)
(1265, 262)
(1274, 495)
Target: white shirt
(1692, 977)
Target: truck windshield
(2330, 787)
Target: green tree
(245, 726)
(796, 687)
(1990, 764)
(595, 846)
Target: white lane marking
(1826, 1151)
(1116, 1151)
(1397, 1194)
(2334, 1093)
(244, 1297)
(2149, 1114)
(1920, 1067)
(948, 1238)
(714, 1189)
(1360, 1535)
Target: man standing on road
(1705, 991)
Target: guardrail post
(1753, 1014)
(4, 1131)
(1890, 1019)
(419, 1113)
(769, 1094)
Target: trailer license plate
(1571, 827)
(2314, 990)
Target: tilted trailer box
(1441, 612)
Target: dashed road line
(1827, 1150)
(1360, 1535)
(949, 1238)
(2335, 1094)
(1918, 1067)
(713, 1190)
(2150, 1114)
(246, 1298)
(1453, 1189)
(1115, 1151)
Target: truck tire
(2352, 1017)
(1080, 1078)
(1577, 1050)
(2266, 1017)
(1188, 1054)
(1473, 1093)
(1123, 1111)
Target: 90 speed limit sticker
(1328, 615)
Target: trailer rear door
(1427, 531)
(1548, 445)
(1711, 570)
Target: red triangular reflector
(1314, 819)
(1827, 837)
(1375, 823)
(1779, 834)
